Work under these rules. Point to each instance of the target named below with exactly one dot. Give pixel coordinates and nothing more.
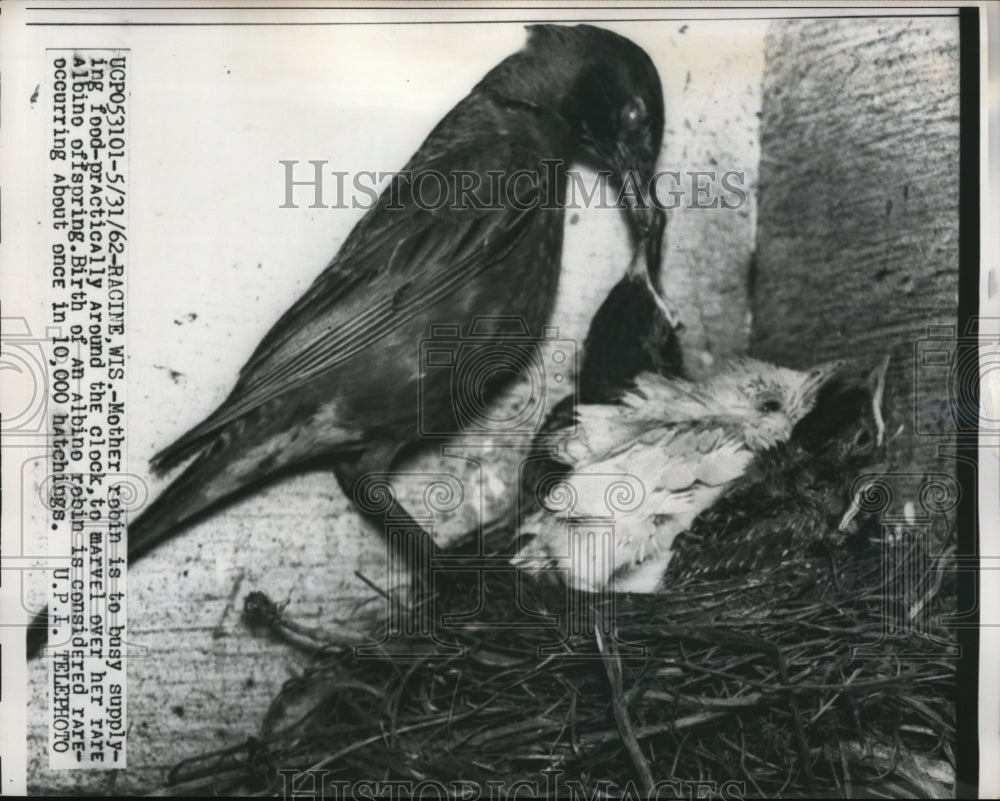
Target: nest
(830, 674)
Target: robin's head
(608, 90)
(767, 400)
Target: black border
(966, 466)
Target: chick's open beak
(863, 485)
(876, 383)
(816, 379)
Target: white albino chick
(633, 474)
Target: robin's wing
(418, 263)
(395, 263)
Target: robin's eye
(633, 113)
(863, 439)
(770, 406)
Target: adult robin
(472, 226)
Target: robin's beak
(647, 223)
(635, 167)
(646, 220)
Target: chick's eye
(770, 406)
(863, 439)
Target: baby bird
(798, 494)
(633, 474)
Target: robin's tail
(190, 495)
(200, 487)
(228, 466)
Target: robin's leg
(410, 547)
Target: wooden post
(857, 239)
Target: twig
(613, 666)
